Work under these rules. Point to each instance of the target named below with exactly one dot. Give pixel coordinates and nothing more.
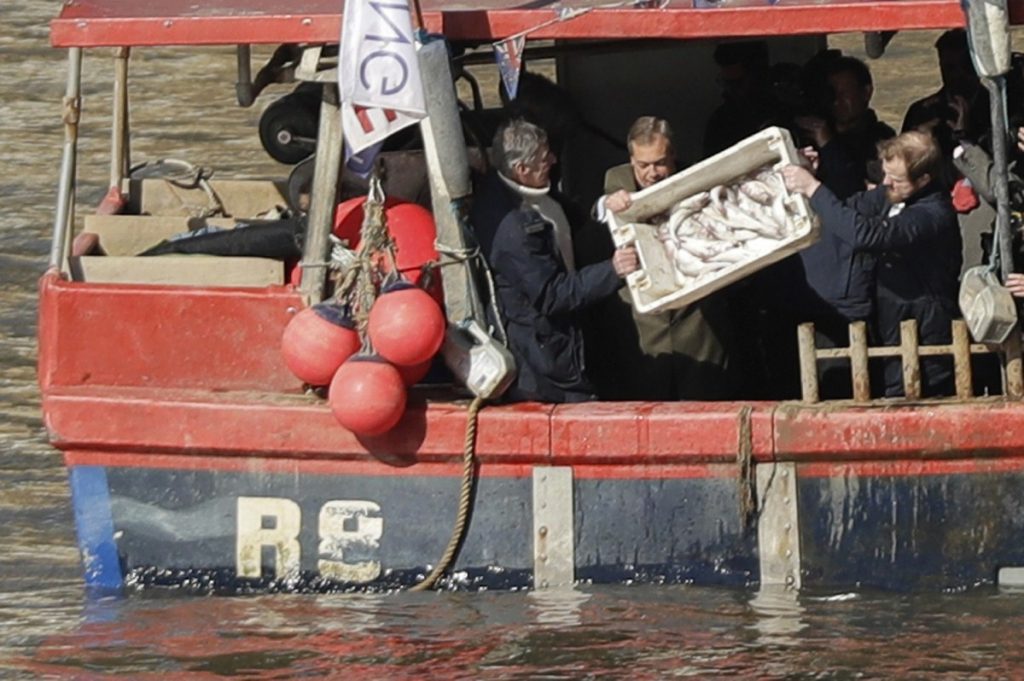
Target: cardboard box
(655, 287)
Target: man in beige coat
(677, 354)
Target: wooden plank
(178, 270)
(131, 234)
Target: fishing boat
(196, 459)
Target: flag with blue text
(378, 72)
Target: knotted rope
(745, 467)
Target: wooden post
(808, 362)
(962, 359)
(911, 359)
(859, 362)
(119, 158)
(325, 194)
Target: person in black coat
(526, 238)
(909, 223)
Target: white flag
(378, 71)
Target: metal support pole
(244, 88)
(119, 130)
(326, 172)
(997, 98)
(64, 215)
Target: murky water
(49, 629)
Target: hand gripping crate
(655, 287)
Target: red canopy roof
(97, 23)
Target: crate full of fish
(714, 223)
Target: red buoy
(406, 325)
(317, 341)
(410, 225)
(367, 395)
(414, 374)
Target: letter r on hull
(267, 522)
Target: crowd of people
(890, 248)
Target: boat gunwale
(114, 23)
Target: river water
(49, 628)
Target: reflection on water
(559, 607)
(49, 630)
(779, 616)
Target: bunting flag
(509, 55)
(378, 72)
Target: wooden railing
(910, 353)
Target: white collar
(524, 190)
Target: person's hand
(625, 261)
(1020, 139)
(1015, 284)
(811, 157)
(798, 179)
(618, 202)
(817, 128)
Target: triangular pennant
(509, 55)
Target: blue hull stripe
(91, 499)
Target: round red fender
(317, 341)
(406, 325)
(367, 395)
(411, 226)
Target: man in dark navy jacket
(909, 223)
(527, 240)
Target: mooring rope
(745, 467)
(465, 499)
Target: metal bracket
(778, 527)
(553, 533)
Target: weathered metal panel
(839, 432)
(655, 432)
(902, 530)
(184, 422)
(380, 529)
(163, 336)
(668, 530)
(351, 525)
(553, 542)
(778, 525)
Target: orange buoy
(367, 395)
(317, 341)
(406, 325)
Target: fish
(727, 225)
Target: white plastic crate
(654, 287)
